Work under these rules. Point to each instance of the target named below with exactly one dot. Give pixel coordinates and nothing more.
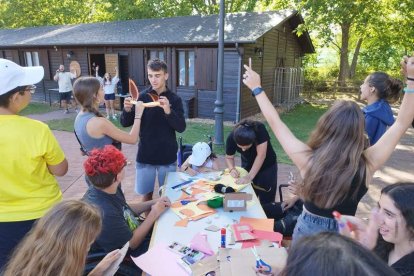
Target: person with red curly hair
(105, 170)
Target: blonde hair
(337, 155)
(58, 243)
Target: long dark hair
(86, 91)
(329, 253)
(402, 194)
(337, 155)
(245, 132)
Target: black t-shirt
(157, 144)
(118, 220)
(248, 156)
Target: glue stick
(223, 237)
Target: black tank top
(348, 206)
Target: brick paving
(400, 167)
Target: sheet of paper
(259, 224)
(160, 261)
(113, 268)
(263, 235)
(242, 261)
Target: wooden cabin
(189, 46)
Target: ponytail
(387, 88)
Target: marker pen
(342, 221)
(223, 237)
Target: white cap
(13, 75)
(201, 151)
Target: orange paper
(182, 223)
(259, 224)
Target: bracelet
(186, 168)
(232, 169)
(137, 118)
(409, 90)
(410, 79)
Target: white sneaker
(114, 117)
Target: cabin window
(186, 68)
(153, 54)
(31, 58)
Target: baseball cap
(201, 151)
(13, 75)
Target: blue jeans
(145, 176)
(11, 233)
(310, 224)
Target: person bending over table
(252, 141)
(105, 170)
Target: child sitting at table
(200, 160)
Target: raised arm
(116, 72)
(294, 148)
(56, 76)
(379, 153)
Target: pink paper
(263, 235)
(200, 243)
(160, 261)
(242, 232)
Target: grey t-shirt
(118, 220)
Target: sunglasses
(31, 89)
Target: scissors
(260, 264)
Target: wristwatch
(257, 91)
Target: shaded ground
(399, 168)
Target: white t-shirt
(65, 81)
(109, 87)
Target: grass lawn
(301, 121)
(37, 108)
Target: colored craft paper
(263, 235)
(258, 224)
(242, 232)
(160, 261)
(200, 243)
(181, 223)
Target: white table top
(165, 231)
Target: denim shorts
(109, 97)
(145, 176)
(310, 224)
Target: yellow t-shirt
(27, 188)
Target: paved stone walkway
(400, 167)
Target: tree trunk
(343, 61)
(355, 58)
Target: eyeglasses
(31, 89)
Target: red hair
(108, 160)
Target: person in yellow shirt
(31, 157)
